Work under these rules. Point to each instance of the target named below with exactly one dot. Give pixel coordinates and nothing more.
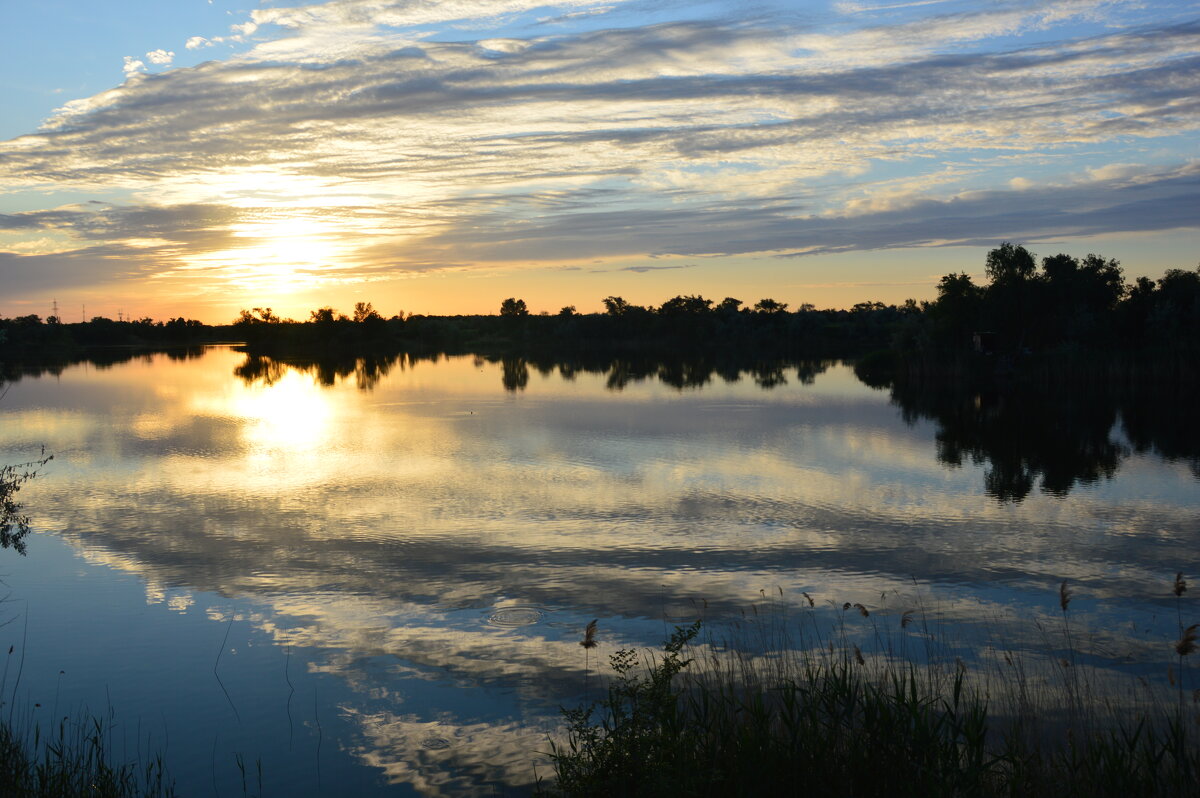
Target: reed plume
(589, 635)
(1186, 644)
(588, 642)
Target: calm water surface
(374, 582)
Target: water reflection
(55, 363)
(365, 371)
(429, 535)
(1051, 436)
(619, 372)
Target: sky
(197, 157)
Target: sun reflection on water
(291, 415)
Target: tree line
(1063, 306)
(1068, 303)
(31, 333)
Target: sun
(281, 255)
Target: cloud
(133, 66)
(398, 13)
(574, 15)
(1156, 201)
(613, 100)
(847, 7)
(197, 42)
(160, 57)
(642, 269)
(80, 269)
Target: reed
(812, 713)
(75, 759)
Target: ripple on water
(516, 616)
(434, 743)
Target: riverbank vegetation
(32, 335)
(903, 715)
(76, 760)
(1027, 316)
(14, 524)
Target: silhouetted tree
(615, 306)
(685, 305)
(1079, 299)
(1175, 317)
(1010, 299)
(770, 306)
(513, 308)
(364, 312)
(955, 314)
(1009, 263)
(245, 317)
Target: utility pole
(54, 310)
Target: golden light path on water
(387, 527)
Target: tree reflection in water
(1051, 436)
(619, 372)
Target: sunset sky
(196, 157)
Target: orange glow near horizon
(294, 265)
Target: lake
(371, 577)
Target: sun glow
(281, 256)
(291, 414)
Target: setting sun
(281, 256)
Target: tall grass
(812, 714)
(74, 759)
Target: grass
(76, 759)
(818, 717)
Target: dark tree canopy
(615, 306)
(512, 307)
(364, 312)
(681, 305)
(770, 306)
(1009, 263)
